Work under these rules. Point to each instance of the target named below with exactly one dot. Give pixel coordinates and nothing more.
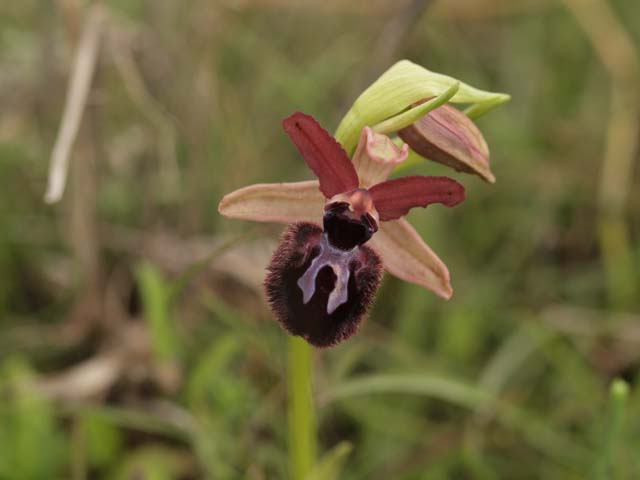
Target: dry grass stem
(619, 56)
(78, 91)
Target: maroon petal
(394, 198)
(323, 154)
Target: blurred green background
(135, 342)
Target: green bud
(415, 113)
(403, 85)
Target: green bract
(412, 115)
(404, 84)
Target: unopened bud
(446, 135)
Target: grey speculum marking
(339, 261)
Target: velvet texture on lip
(299, 246)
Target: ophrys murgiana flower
(322, 279)
(347, 226)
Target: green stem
(302, 422)
(605, 462)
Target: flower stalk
(301, 409)
(606, 467)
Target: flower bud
(404, 84)
(446, 135)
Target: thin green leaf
(605, 467)
(331, 464)
(156, 301)
(555, 444)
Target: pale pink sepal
(275, 202)
(376, 156)
(406, 256)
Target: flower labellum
(446, 135)
(318, 291)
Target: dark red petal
(394, 198)
(323, 154)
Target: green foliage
(330, 466)
(512, 378)
(152, 463)
(101, 439)
(32, 446)
(156, 299)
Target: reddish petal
(323, 154)
(394, 198)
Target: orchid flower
(348, 225)
(325, 305)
